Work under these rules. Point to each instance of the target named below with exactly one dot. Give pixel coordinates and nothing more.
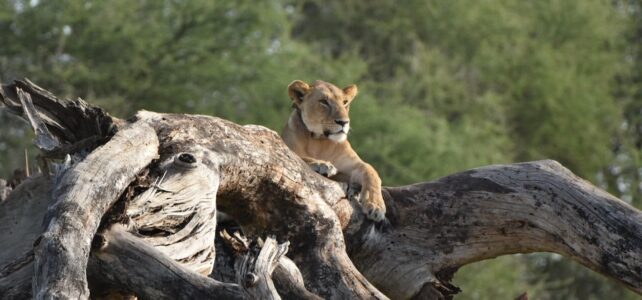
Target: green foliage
(15, 135)
(502, 278)
(542, 78)
(421, 146)
(444, 85)
(569, 280)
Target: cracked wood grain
(81, 198)
(134, 266)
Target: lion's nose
(342, 122)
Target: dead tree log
(119, 261)
(81, 198)
(287, 277)
(21, 216)
(434, 228)
(492, 211)
(132, 265)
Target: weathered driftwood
(177, 213)
(287, 277)
(289, 282)
(71, 125)
(81, 198)
(497, 210)
(21, 218)
(434, 227)
(254, 272)
(120, 261)
(131, 264)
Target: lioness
(317, 131)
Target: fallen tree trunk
(121, 263)
(434, 228)
(132, 265)
(492, 211)
(81, 198)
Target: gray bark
(119, 261)
(71, 125)
(21, 218)
(285, 274)
(497, 210)
(255, 272)
(434, 228)
(81, 198)
(131, 264)
(289, 282)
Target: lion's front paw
(354, 192)
(373, 205)
(324, 168)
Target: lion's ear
(297, 90)
(350, 91)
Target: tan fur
(314, 134)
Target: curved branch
(255, 271)
(287, 277)
(132, 265)
(82, 196)
(289, 281)
(496, 210)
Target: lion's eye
(324, 103)
(345, 102)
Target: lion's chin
(338, 137)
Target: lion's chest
(323, 149)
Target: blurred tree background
(444, 86)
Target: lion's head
(324, 107)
